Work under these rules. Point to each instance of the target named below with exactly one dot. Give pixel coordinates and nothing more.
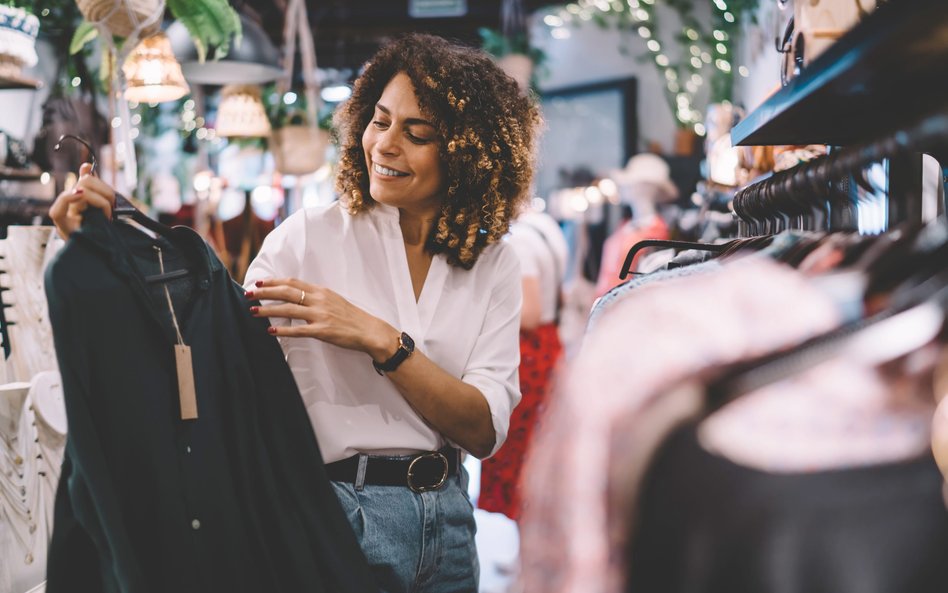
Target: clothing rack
(818, 195)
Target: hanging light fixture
(255, 60)
(241, 112)
(152, 73)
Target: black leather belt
(422, 472)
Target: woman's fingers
(288, 290)
(66, 211)
(286, 310)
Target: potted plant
(300, 134)
(514, 54)
(18, 30)
(211, 23)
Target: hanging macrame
(300, 148)
(517, 65)
(122, 17)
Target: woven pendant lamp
(241, 112)
(152, 73)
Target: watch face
(407, 342)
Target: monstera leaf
(211, 23)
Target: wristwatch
(405, 347)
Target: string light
(702, 44)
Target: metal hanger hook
(88, 146)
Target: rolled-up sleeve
(495, 358)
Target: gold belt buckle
(411, 472)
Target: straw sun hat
(645, 176)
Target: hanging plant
(212, 24)
(698, 47)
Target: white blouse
(466, 321)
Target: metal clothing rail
(811, 197)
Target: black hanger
(125, 209)
(625, 271)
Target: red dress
(500, 475)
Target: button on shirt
(466, 321)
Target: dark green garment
(236, 500)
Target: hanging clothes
(866, 529)
(650, 341)
(236, 500)
(617, 245)
(644, 362)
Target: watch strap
(405, 348)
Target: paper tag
(186, 395)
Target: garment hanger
(123, 208)
(625, 272)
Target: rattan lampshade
(241, 112)
(152, 72)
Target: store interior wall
(756, 50)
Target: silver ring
(302, 297)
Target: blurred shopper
(541, 247)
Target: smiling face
(402, 151)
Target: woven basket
(121, 17)
(299, 150)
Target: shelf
(18, 81)
(881, 76)
(8, 174)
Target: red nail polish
(78, 190)
(258, 283)
(254, 310)
(271, 330)
(249, 294)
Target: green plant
(27, 6)
(296, 113)
(699, 48)
(499, 45)
(213, 24)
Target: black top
(236, 500)
(707, 525)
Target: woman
(398, 307)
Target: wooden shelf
(883, 75)
(18, 81)
(8, 174)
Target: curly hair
(487, 131)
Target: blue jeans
(415, 542)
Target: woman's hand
(67, 210)
(328, 317)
